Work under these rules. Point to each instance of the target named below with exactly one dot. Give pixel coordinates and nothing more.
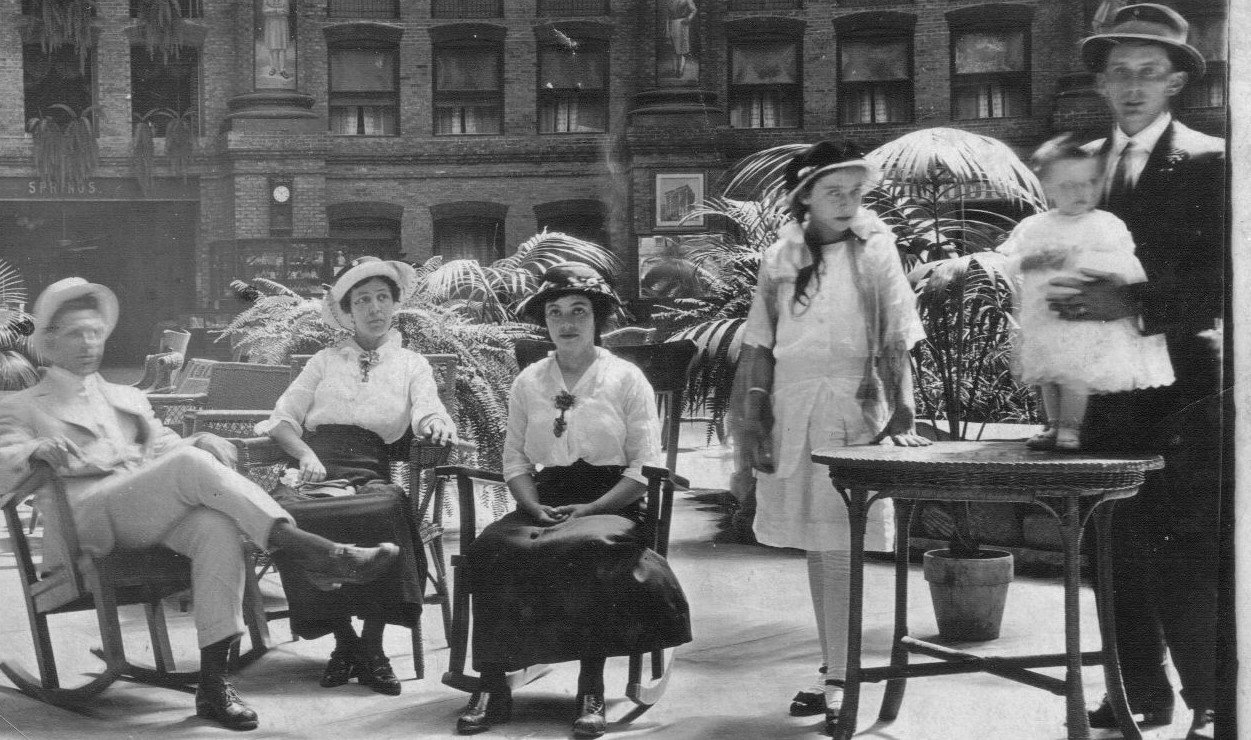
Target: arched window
(875, 78)
(766, 74)
(469, 230)
(990, 61)
(364, 79)
(468, 79)
(573, 78)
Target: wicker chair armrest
(651, 472)
(659, 512)
(258, 451)
(223, 422)
(462, 471)
(170, 399)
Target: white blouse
(613, 420)
(331, 389)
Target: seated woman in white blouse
(349, 402)
(563, 577)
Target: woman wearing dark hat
(350, 401)
(562, 577)
(825, 363)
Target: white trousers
(194, 505)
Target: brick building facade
(327, 128)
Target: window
(583, 219)
(164, 88)
(58, 78)
(1208, 35)
(364, 89)
(874, 79)
(363, 9)
(469, 238)
(468, 89)
(764, 83)
(466, 9)
(990, 73)
(186, 8)
(573, 87)
(572, 7)
(766, 5)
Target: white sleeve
(423, 396)
(762, 317)
(642, 425)
(294, 404)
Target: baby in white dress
(1071, 360)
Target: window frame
(792, 92)
(440, 98)
(992, 19)
(196, 94)
(600, 96)
(906, 99)
(91, 68)
(343, 99)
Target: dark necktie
(1120, 189)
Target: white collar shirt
(613, 420)
(116, 443)
(1144, 143)
(332, 389)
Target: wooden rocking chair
(81, 582)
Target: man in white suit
(133, 483)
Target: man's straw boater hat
(62, 291)
(1146, 23)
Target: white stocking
(829, 575)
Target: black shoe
(485, 708)
(376, 673)
(348, 564)
(808, 702)
(1203, 727)
(217, 700)
(1104, 718)
(343, 666)
(590, 721)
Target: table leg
(857, 515)
(1104, 595)
(1071, 534)
(893, 697)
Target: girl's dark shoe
(485, 708)
(591, 721)
(810, 701)
(376, 673)
(343, 666)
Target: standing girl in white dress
(825, 363)
(1070, 360)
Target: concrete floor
(755, 645)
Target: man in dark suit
(1167, 182)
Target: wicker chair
(69, 580)
(629, 335)
(159, 371)
(230, 385)
(188, 390)
(411, 463)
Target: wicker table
(1070, 487)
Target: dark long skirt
(374, 514)
(582, 588)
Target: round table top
(972, 456)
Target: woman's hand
(441, 432)
(545, 515)
(311, 469)
(902, 430)
(573, 511)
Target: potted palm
(935, 180)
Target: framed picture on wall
(676, 196)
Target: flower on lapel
(1172, 159)
(564, 401)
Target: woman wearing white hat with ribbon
(349, 402)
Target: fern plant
(160, 26)
(66, 152)
(180, 143)
(17, 365)
(280, 323)
(58, 23)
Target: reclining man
(133, 483)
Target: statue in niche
(677, 56)
(275, 45)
